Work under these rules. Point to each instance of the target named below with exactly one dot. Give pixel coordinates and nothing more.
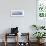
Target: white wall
(24, 23)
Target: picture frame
(17, 12)
(41, 12)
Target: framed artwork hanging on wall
(17, 12)
(41, 12)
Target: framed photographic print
(17, 12)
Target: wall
(24, 23)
